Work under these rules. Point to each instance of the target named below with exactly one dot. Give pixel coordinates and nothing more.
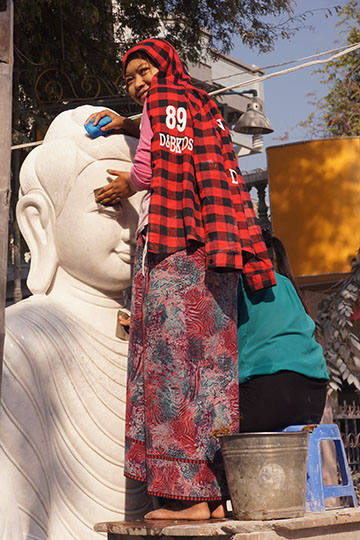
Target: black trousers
(273, 402)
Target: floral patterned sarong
(182, 375)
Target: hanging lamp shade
(254, 121)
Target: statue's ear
(36, 218)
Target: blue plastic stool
(316, 491)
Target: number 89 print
(176, 118)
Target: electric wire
(261, 78)
(285, 71)
(257, 68)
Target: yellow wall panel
(315, 203)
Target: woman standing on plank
(197, 232)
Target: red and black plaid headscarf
(197, 189)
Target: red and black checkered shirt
(197, 191)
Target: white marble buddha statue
(63, 388)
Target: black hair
(139, 54)
(279, 256)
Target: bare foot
(181, 510)
(218, 511)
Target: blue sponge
(95, 131)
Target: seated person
(282, 370)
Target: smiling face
(138, 76)
(95, 244)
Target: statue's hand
(119, 188)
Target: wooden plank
(312, 525)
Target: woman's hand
(124, 320)
(119, 188)
(117, 122)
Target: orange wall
(315, 203)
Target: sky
(286, 96)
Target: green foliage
(337, 114)
(69, 51)
(182, 23)
(60, 47)
(63, 33)
(68, 34)
(334, 324)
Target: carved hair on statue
(71, 151)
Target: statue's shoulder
(27, 310)
(30, 320)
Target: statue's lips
(125, 256)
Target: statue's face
(96, 244)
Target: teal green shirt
(275, 333)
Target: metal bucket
(266, 473)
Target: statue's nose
(128, 236)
